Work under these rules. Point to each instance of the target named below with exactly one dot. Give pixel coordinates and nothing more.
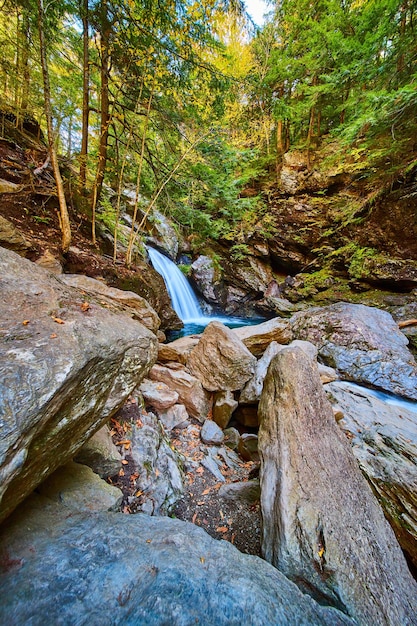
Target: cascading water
(184, 301)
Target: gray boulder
(205, 276)
(322, 526)
(173, 417)
(124, 301)
(110, 568)
(363, 343)
(384, 440)
(157, 395)
(211, 434)
(100, 454)
(63, 372)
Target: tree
(64, 217)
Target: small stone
(248, 447)
(158, 395)
(224, 405)
(327, 374)
(248, 491)
(174, 416)
(211, 434)
(231, 438)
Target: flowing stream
(184, 300)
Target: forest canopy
(186, 104)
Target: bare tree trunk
(64, 217)
(105, 113)
(86, 103)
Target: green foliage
(239, 251)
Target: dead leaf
(133, 477)
(53, 336)
(205, 492)
(222, 529)
(26, 322)
(121, 472)
(123, 442)
(126, 510)
(85, 306)
(139, 423)
(200, 503)
(138, 493)
(149, 541)
(58, 320)
(194, 517)
(202, 559)
(124, 462)
(200, 470)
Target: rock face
(189, 389)
(363, 343)
(134, 569)
(127, 301)
(11, 238)
(253, 389)
(384, 440)
(257, 338)
(204, 275)
(309, 477)
(157, 466)
(220, 360)
(63, 372)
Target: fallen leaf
(194, 517)
(58, 320)
(134, 476)
(85, 306)
(157, 472)
(149, 541)
(222, 529)
(138, 493)
(200, 503)
(126, 445)
(200, 470)
(139, 423)
(53, 336)
(233, 538)
(205, 492)
(202, 559)
(124, 462)
(321, 552)
(121, 472)
(126, 509)
(25, 322)
(123, 442)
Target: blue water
(387, 397)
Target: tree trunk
(64, 217)
(105, 116)
(86, 104)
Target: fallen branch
(406, 323)
(42, 167)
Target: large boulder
(189, 388)
(220, 360)
(384, 440)
(126, 301)
(62, 567)
(258, 337)
(363, 343)
(322, 526)
(63, 372)
(205, 276)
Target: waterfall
(184, 301)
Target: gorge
(208, 315)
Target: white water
(388, 398)
(184, 302)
